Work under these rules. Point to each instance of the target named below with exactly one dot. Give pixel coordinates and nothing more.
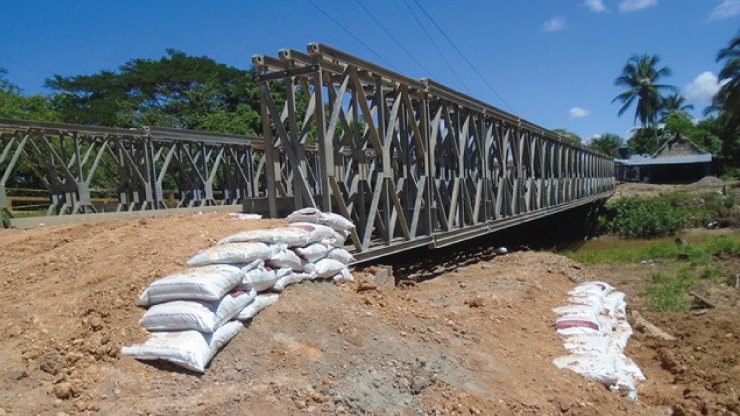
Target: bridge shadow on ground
(567, 230)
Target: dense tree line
(176, 90)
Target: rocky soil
(469, 337)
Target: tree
(176, 90)
(700, 133)
(13, 105)
(728, 96)
(674, 103)
(640, 75)
(608, 143)
(568, 135)
(647, 140)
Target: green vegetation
(640, 76)
(607, 143)
(568, 135)
(697, 254)
(668, 290)
(661, 216)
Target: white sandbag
(209, 283)
(344, 276)
(341, 255)
(260, 279)
(289, 236)
(326, 268)
(587, 344)
(625, 364)
(582, 326)
(233, 253)
(338, 240)
(245, 217)
(246, 267)
(313, 252)
(313, 215)
(290, 279)
(181, 315)
(621, 334)
(317, 232)
(595, 302)
(569, 309)
(592, 288)
(259, 303)
(598, 368)
(615, 303)
(285, 259)
(190, 349)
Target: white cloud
(703, 87)
(554, 24)
(578, 112)
(596, 6)
(728, 8)
(627, 6)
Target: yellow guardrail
(23, 203)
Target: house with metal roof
(679, 160)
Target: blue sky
(552, 61)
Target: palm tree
(673, 103)
(728, 97)
(640, 75)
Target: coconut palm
(641, 75)
(728, 97)
(673, 103)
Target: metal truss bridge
(411, 162)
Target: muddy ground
(478, 338)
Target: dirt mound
(477, 339)
(707, 181)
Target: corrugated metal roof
(644, 160)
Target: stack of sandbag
(190, 313)
(595, 331)
(326, 258)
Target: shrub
(635, 217)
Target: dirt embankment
(478, 339)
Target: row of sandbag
(193, 313)
(595, 331)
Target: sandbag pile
(595, 331)
(193, 313)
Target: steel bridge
(412, 162)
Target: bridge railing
(136, 165)
(411, 162)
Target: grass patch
(670, 293)
(697, 254)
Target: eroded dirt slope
(478, 339)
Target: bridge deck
(411, 162)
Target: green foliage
(635, 217)
(647, 140)
(13, 105)
(568, 135)
(728, 97)
(674, 103)
(640, 77)
(681, 123)
(608, 143)
(177, 90)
